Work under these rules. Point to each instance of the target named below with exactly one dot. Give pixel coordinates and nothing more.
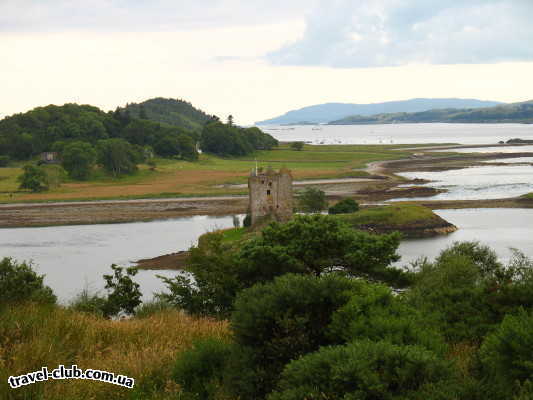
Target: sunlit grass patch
(33, 336)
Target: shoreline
(367, 191)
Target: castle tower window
(270, 184)
(262, 182)
(268, 192)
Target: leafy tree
(312, 200)
(142, 112)
(298, 146)
(377, 314)
(78, 159)
(214, 282)
(117, 156)
(281, 320)
(174, 112)
(469, 291)
(18, 282)
(345, 206)
(367, 370)
(55, 175)
(168, 146)
(229, 140)
(187, 148)
(317, 244)
(200, 370)
(230, 120)
(33, 178)
(507, 353)
(124, 292)
(311, 245)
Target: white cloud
(400, 32)
(142, 15)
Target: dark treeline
(178, 112)
(168, 128)
(50, 128)
(230, 140)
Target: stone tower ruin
(270, 194)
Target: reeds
(33, 336)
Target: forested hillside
(179, 113)
(516, 112)
(52, 128)
(49, 128)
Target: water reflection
(73, 257)
(477, 183)
(499, 228)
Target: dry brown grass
(33, 336)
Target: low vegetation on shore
(308, 309)
(206, 176)
(412, 220)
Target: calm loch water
(74, 257)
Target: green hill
(507, 113)
(49, 128)
(179, 113)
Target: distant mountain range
(324, 113)
(516, 112)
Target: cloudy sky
(257, 59)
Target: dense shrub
(55, 175)
(33, 178)
(470, 292)
(78, 159)
(199, 371)
(312, 200)
(345, 206)
(366, 370)
(18, 282)
(229, 140)
(90, 303)
(124, 294)
(375, 313)
(320, 243)
(117, 156)
(288, 317)
(507, 354)
(298, 146)
(311, 245)
(215, 282)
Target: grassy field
(181, 178)
(397, 215)
(33, 336)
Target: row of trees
(116, 156)
(230, 140)
(51, 128)
(23, 136)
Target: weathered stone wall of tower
(270, 194)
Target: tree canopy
(51, 128)
(230, 140)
